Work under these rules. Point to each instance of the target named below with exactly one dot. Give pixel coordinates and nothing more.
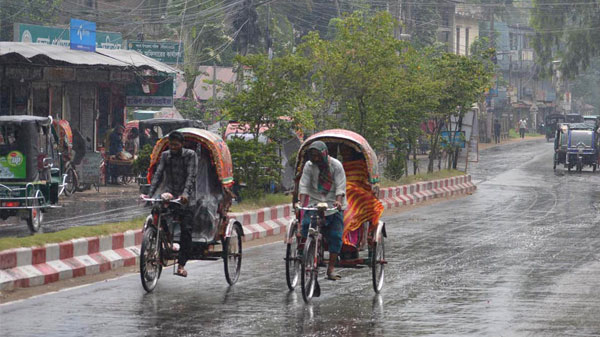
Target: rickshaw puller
(324, 180)
(178, 166)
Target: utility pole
(337, 6)
(268, 41)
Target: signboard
(61, 36)
(150, 91)
(459, 138)
(12, 166)
(88, 172)
(170, 52)
(83, 35)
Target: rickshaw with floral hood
(30, 170)
(363, 232)
(214, 235)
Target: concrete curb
(28, 267)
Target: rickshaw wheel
(150, 267)
(232, 255)
(377, 263)
(71, 183)
(310, 270)
(35, 217)
(292, 265)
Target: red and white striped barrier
(422, 191)
(27, 267)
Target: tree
(272, 94)
(568, 32)
(356, 73)
(26, 11)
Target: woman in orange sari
(363, 205)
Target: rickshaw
(212, 228)
(582, 147)
(149, 132)
(63, 136)
(362, 229)
(30, 174)
(550, 123)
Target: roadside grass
(420, 177)
(71, 233)
(267, 201)
(512, 133)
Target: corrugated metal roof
(57, 53)
(136, 59)
(102, 57)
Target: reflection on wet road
(517, 258)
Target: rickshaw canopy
(219, 152)
(346, 137)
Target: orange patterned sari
(363, 206)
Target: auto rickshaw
(551, 122)
(582, 147)
(364, 233)
(561, 139)
(214, 234)
(30, 174)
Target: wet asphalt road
(517, 258)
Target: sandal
(333, 276)
(181, 272)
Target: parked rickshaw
(582, 147)
(64, 141)
(151, 130)
(363, 237)
(214, 234)
(551, 122)
(30, 172)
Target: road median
(34, 266)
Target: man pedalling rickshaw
(30, 173)
(362, 229)
(212, 228)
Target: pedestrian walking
(522, 127)
(497, 128)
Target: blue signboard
(83, 35)
(459, 138)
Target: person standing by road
(177, 167)
(324, 180)
(497, 128)
(522, 127)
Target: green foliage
(254, 164)
(142, 162)
(189, 108)
(395, 167)
(26, 11)
(273, 93)
(356, 73)
(566, 32)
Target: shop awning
(38, 53)
(136, 59)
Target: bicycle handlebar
(314, 208)
(175, 201)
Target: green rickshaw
(30, 174)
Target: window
(513, 41)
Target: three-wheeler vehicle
(214, 234)
(576, 146)
(30, 173)
(551, 123)
(363, 234)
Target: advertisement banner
(169, 52)
(12, 166)
(83, 35)
(59, 36)
(150, 91)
